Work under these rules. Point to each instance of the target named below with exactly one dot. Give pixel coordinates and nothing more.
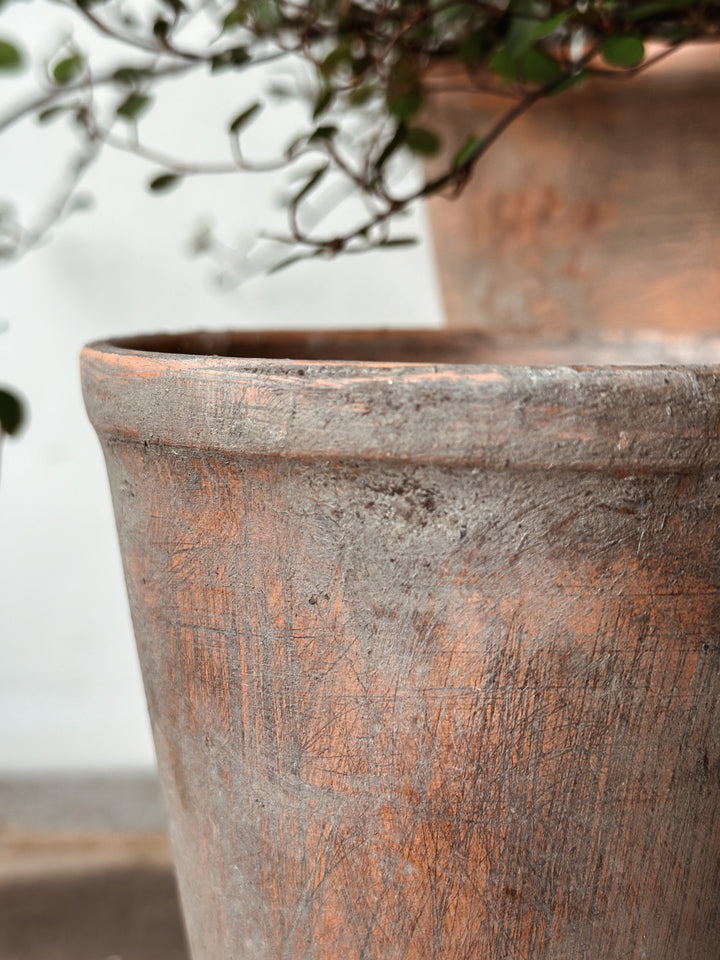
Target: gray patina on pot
(430, 647)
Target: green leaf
(67, 69)
(11, 413)
(533, 66)
(503, 64)
(177, 6)
(521, 36)
(399, 242)
(474, 47)
(81, 202)
(133, 106)
(310, 184)
(422, 141)
(52, 113)
(336, 59)
(360, 95)
(405, 105)
(130, 75)
(361, 65)
(655, 8)
(623, 51)
(10, 56)
(536, 66)
(524, 32)
(550, 25)
(466, 152)
(242, 119)
(235, 57)
(267, 14)
(395, 142)
(161, 28)
(568, 82)
(323, 133)
(288, 262)
(323, 101)
(236, 18)
(164, 182)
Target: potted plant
(429, 640)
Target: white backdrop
(70, 692)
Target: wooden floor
(85, 872)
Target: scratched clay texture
(428, 708)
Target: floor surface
(85, 872)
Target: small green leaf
(161, 28)
(422, 141)
(177, 6)
(336, 59)
(81, 202)
(361, 65)
(655, 8)
(521, 36)
(242, 119)
(568, 82)
(466, 152)
(503, 64)
(623, 51)
(406, 105)
(323, 101)
(68, 68)
(474, 47)
(10, 56)
(536, 66)
(399, 242)
(129, 75)
(549, 26)
(533, 66)
(235, 57)
(267, 14)
(311, 183)
(279, 92)
(51, 113)
(288, 262)
(236, 18)
(133, 106)
(524, 32)
(395, 142)
(165, 181)
(11, 413)
(360, 95)
(323, 133)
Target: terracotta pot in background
(430, 650)
(598, 209)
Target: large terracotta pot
(431, 649)
(596, 210)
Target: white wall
(70, 693)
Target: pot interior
(436, 347)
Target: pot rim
(627, 419)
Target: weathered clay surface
(431, 651)
(596, 210)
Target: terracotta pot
(596, 210)
(431, 649)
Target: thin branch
(136, 42)
(37, 104)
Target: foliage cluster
(368, 67)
